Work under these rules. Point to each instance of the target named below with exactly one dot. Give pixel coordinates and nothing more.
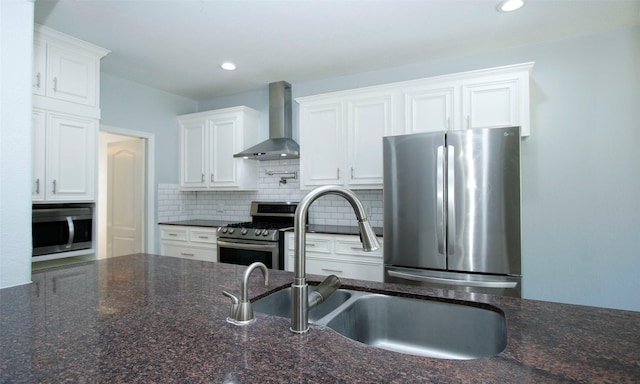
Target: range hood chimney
(280, 144)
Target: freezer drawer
(467, 282)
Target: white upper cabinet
(496, 101)
(66, 89)
(430, 109)
(193, 146)
(208, 141)
(322, 143)
(341, 132)
(341, 139)
(64, 157)
(66, 72)
(369, 119)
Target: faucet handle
(234, 300)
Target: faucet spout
(299, 287)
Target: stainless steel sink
(279, 304)
(440, 329)
(422, 327)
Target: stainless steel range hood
(280, 144)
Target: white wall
(16, 42)
(129, 105)
(580, 167)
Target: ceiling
(178, 45)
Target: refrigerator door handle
(440, 220)
(451, 200)
(457, 282)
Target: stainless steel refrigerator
(452, 210)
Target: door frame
(149, 172)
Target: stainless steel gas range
(261, 239)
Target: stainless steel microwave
(61, 228)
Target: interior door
(125, 197)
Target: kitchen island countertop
(147, 318)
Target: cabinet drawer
(203, 236)
(350, 270)
(315, 244)
(173, 233)
(186, 252)
(353, 247)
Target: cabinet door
(322, 147)
(369, 119)
(429, 110)
(193, 152)
(38, 137)
(39, 68)
(71, 157)
(491, 103)
(72, 76)
(223, 142)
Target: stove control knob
(224, 230)
(231, 230)
(244, 231)
(257, 232)
(265, 232)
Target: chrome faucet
(241, 310)
(299, 288)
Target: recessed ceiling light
(228, 66)
(510, 5)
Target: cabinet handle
(351, 173)
(338, 173)
(203, 237)
(310, 245)
(54, 186)
(55, 84)
(357, 249)
(211, 178)
(202, 178)
(173, 234)
(38, 80)
(332, 270)
(187, 254)
(37, 186)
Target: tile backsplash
(233, 206)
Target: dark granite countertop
(151, 319)
(197, 223)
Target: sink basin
(279, 304)
(440, 329)
(422, 327)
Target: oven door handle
(257, 247)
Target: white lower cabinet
(187, 242)
(340, 255)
